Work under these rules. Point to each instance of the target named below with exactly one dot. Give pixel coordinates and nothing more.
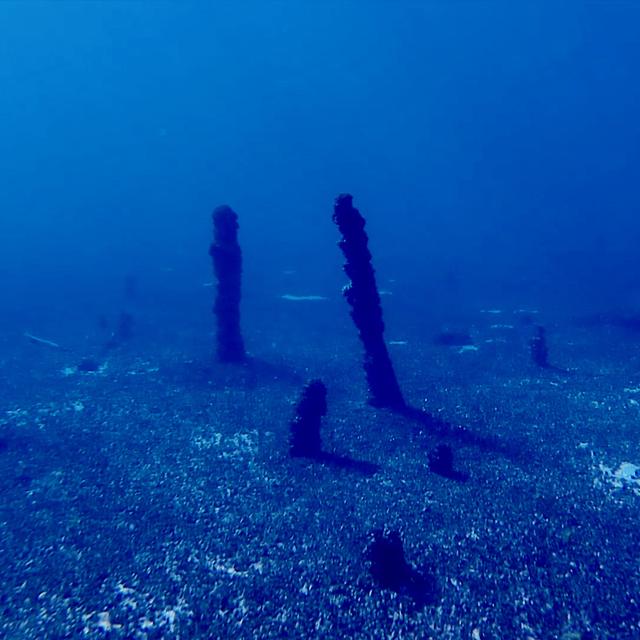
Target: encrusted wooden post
(227, 264)
(363, 297)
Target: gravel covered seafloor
(155, 498)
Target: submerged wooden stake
(227, 264)
(363, 297)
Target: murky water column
(227, 265)
(362, 294)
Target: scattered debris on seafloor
(626, 476)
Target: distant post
(539, 349)
(363, 297)
(227, 265)
(305, 426)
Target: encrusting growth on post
(227, 265)
(305, 426)
(363, 297)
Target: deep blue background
(493, 148)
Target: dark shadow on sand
(368, 469)
(461, 435)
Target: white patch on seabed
(16, 413)
(238, 445)
(224, 565)
(141, 372)
(207, 443)
(242, 445)
(123, 590)
(468, 348)
(626, 476)
(293, 298)
(103, 622)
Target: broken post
(227, 264)
(390, 569)
(362, 294)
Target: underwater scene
(319, 319)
